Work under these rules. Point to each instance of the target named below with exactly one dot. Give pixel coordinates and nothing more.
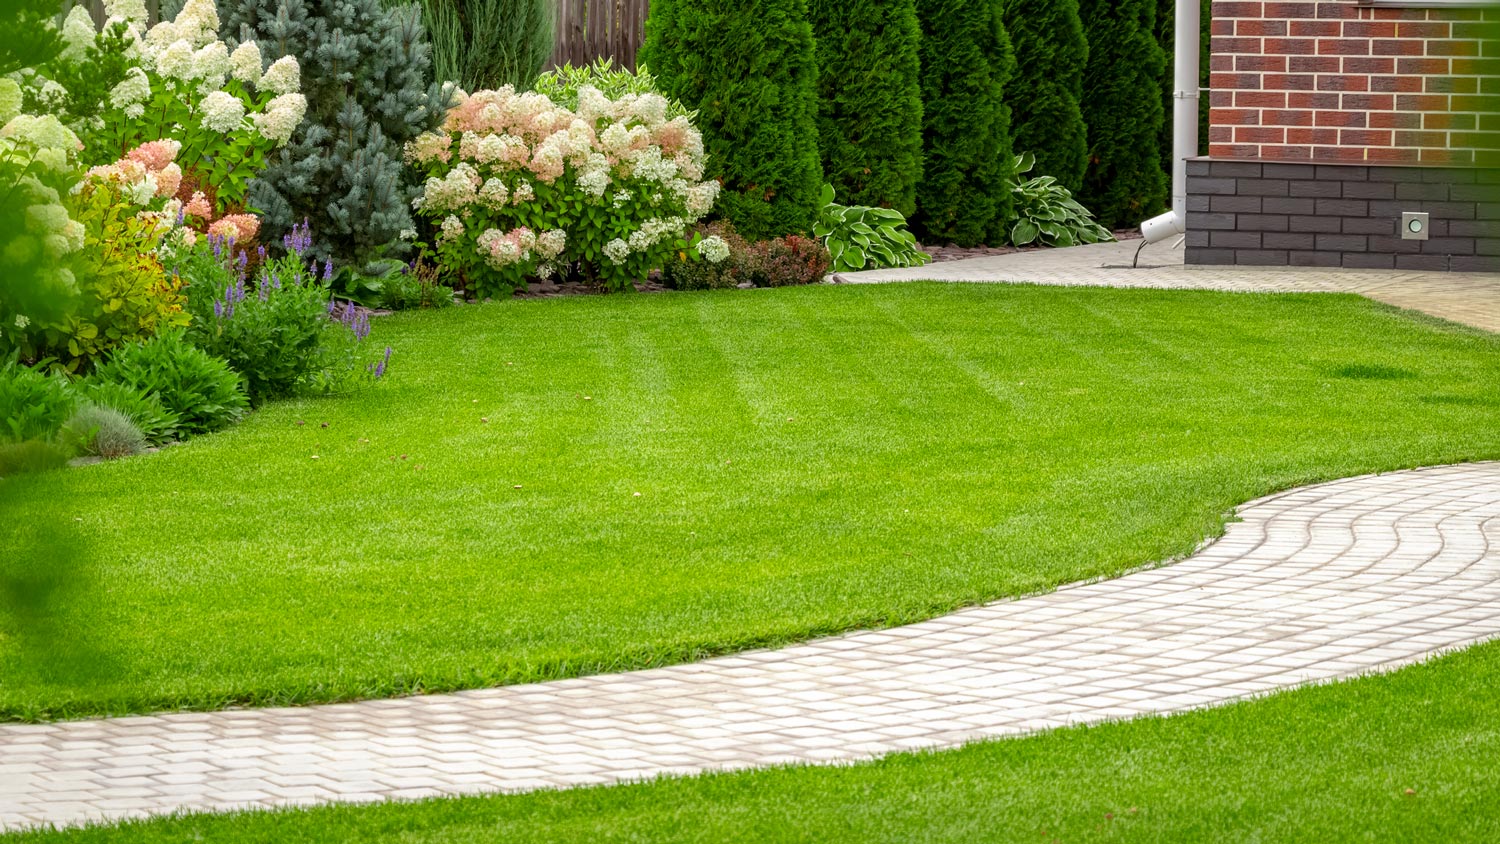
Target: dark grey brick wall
(1273, 214)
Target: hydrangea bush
(519, 186)
(175, 80)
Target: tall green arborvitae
(1122, 105)
(1044, 95)
(750, 71)
(870, 100)
(367, 76)
(966, 61)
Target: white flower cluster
(713, 249)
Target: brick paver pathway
(1473, 298)
(1323, 582)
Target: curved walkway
(1324, 582)
(1472, 298)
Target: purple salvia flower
(330, 307)
(380, 367)
(218, 309)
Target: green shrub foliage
(1045, 93)
(33, 405)
(966, 61)
(366, 73)
(200, 389)
(1122, 105)
(870, 100)
(750, 72)
(144, 410)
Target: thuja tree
(966, 61)
(750, 71)
(366, 73)
(1044, 96)
(1122, 105)
(870, 100)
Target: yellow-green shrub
(125, 295)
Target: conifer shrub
(367, 76)
(751, 76)
(870, 100)
(966, 61)
(1045, 93)
(1122, 105)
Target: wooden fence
(586, 29)
(594, 29)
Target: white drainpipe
(1184, 122)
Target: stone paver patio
(1329, 581)
(1472, 298)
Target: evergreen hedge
(870, 100)
(1122, 105)
(966, 61)
(750, 71)
(1044, 96)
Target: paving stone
(1310, 585)
(1472, 298)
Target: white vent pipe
(1184, 122)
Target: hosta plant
(1047, 213)
(863, 238)
(519, 186)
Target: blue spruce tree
(366, 73)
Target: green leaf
(1024, 233)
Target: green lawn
(807, 461)
(1326, 764)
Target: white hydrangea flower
(284, 76)
(281, 117)
(713, 249)
(222, 112)
(126, 10)
(245, 63)
(198, 22)
(176, 61)
(21, 322)
(78, 34)
(551, 243)
(131, 94)
(211, 64)
(494, 193)
(452, 228)
(617, 251)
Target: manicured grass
(1326, 764)
(807, 461)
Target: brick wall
(1336, 81)
(1264, 213)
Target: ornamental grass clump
(103, 432)
(519, 187)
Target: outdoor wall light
(1414, 225)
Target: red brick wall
(1332, 80)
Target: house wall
(1329, 119)
(1335, 81)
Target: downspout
(1184, 122)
